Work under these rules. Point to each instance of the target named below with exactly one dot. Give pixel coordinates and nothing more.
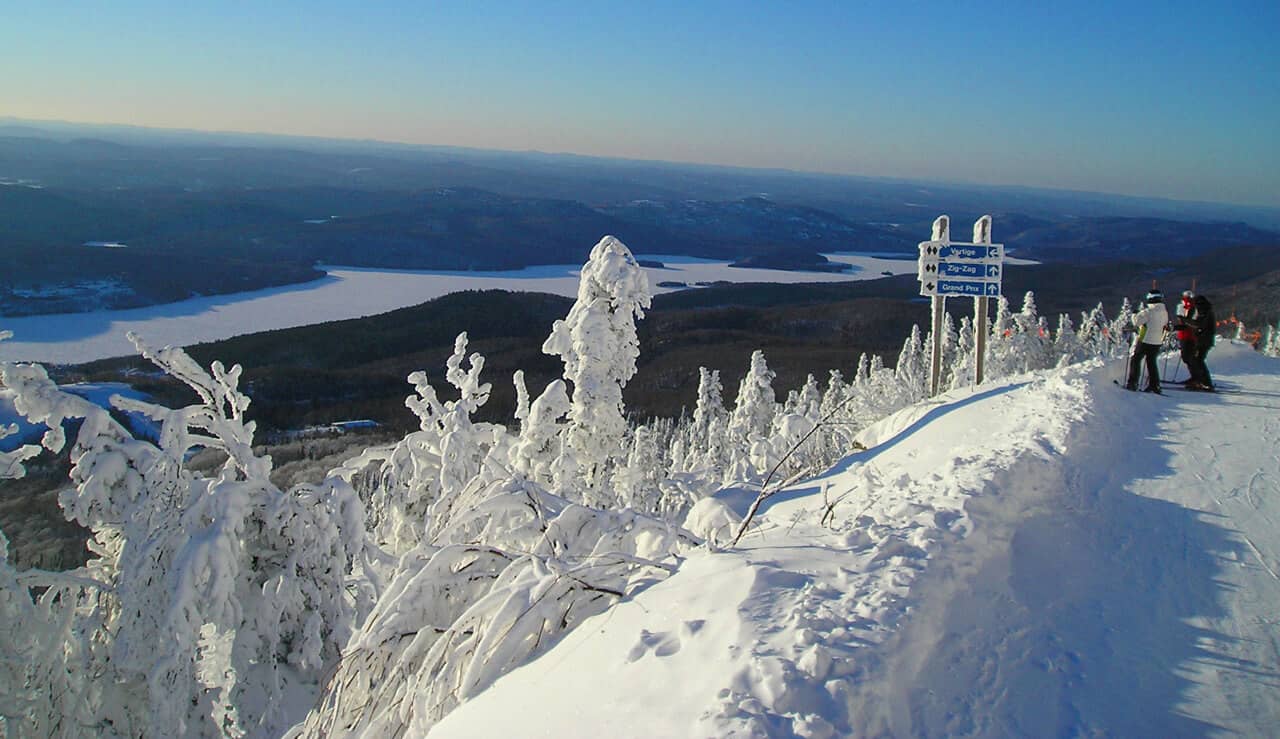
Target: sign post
(973, 270)
(941, 232)
(981, 235)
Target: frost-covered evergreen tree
(1000, 361)
(638, 481)
(836, 415)
(1028, 346)
(707, 447)
(1119, 330)
(962, 363)
(1067, 347)
(912, 370)
(538, 448)
(597, 342)
(950, 349)
(751, 421)
(807, 401)
(1272, 345)
(1093, 336)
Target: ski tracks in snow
(1077, 563)
(829, 599)
(1131, 594)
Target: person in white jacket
(1151, 323)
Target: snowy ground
(1047, 557)
(349, 292)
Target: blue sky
(1173, 99)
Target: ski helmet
(1188, 295)
(1155, 296)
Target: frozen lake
(349, 292)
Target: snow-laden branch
(202, 590)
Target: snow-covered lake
(349, 292)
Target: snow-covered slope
(1050, 556)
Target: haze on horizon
(1150, 99)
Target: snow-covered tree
(497, 586)
(962, 363)
(1271, 347)
(506, 567)
(208, 598)
(538, 447)
(999, 361)
(1094, 332)
(912, 369)
(597, 342)
(950, 348)
(806, 401)
(1120, 329)
(706, 444)
(1066, 343)
(432, 465)
(751, 420)
(1028, 344)
(638, 479)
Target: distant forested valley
(357, 368)
(99, 218)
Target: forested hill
(226, 215)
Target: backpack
(1206, 325)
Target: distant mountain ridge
(209, 213)
(254, 160)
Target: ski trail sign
(961, 269)
(948, 268)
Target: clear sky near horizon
(1170, 99)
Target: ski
(1140, 392)
(1215, 391)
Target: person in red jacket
(1186, 332)
(1205, 326)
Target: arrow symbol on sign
(993, 290)
(993, 270)
(992, 252)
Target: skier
(1204, 324)
(1151, 323)
(1186, 332)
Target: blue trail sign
(977, 270)
(968, 288)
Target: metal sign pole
(981, 235)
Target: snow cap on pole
(942, 228)
(982, 230)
